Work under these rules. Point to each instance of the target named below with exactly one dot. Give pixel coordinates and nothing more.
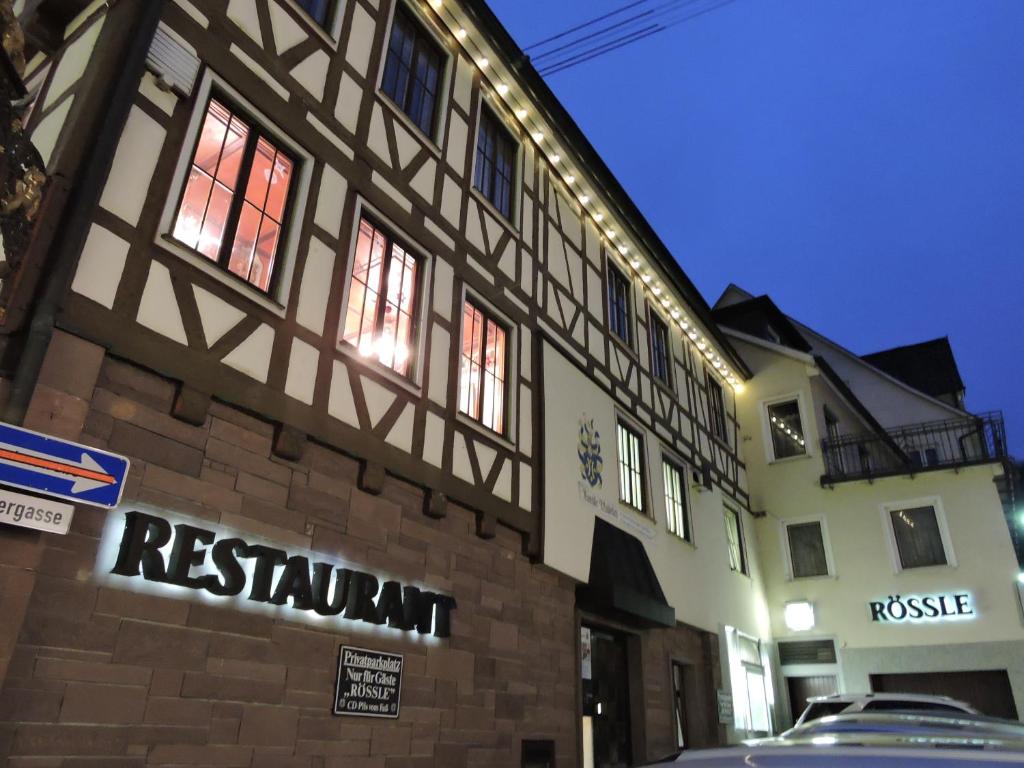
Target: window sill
(426, 140)
(373, 364)
(822, 577)
(501, 217)
(925, 568)
(331, 38)
(790, 459)
(623, 345)
(688, 543)
(490, 434)
(664, 386)
(221, 275)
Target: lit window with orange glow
(380, 321)
(236, 197)
(482, 368)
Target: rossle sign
(943, 606)
(224, 567)
(369, 683)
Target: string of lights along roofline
(514, 97)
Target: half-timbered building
(398, 366)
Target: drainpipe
(76, 215)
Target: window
(661, 361)
(918, 537)
(618, 304)
(495, 163)
(679, 680)
(381, 319)
(631, 467)
(786, 429)
(234, 207)
(924, 457)
(734, 538)
(675, 500)
(716, 406)
(482, 368)
(412, 70)
(807, 549)
(831, 425)
(319, 10)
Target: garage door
(988, 691)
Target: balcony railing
(916, 448)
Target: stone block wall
(105, 677)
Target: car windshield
(823, 708)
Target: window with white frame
(786, 429)
(631, 466)
(734, 540)
(806, 543)
(918, 536)
(383, 296)
(675, 499)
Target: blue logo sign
(589, 452)
(55, 467)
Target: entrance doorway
(606, 715)
(803, 688)
(988, 690)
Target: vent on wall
(173, 62)
(807, 652)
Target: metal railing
(916, 448)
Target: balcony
(916, 448)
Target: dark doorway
(606, 699)
(803, 688)
(988, 691)
(681, 683)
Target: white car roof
(852, 697)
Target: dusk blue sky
(861, 161)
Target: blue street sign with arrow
(55, 467)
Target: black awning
(622, 581)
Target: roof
(761, 317)
(928, 367)
(549, 105)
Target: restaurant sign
(225, 567)
(944, 606)
(369, 683)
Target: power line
(596, 51)
(585, 24)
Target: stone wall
(106, 677)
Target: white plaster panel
(193, 13)
(302, 365)
(73, 63)
(408, 147)
(451, 201)
(526, 273)
(158, 309)
(439, 348)
(458, 133)
(474, 233)
(439, 233)
(350, 97)
(526, 355)
(165, 101)
(391, 191)
(464, 83)
(556, 256)
(331, 135)
(134, 163)
(423, 181)
(596, 338)
(400, 435)
(311, 73)
(316, 286)
(100, 266)
(330, 202)
(571, 224)
(360, 40)
(252, 356)
(215, 315)
(527, 232)
(340, 403)
(377, 141)
(503, 485)
(378, 399)
(461, 467)
(574, 263)
(494, 230)
(525, 486)
(244, 14)
(287, 32)
(595, 296)
(525, 420)
(507, 263)
(485, 456)
(433, 439)
(444, 283)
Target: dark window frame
(257, 130)
(824, 549)
(492, 318)
(421, 263)
(717, 416)
(660, 358)
(426, 45)
(620, 318)
(627, 495)
(740, 541)
(330, 9)
(893, 510)
(800, 449)
(684, 501)
(487, 177)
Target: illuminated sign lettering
(182, 555)
(947, 606)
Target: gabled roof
(760, 317)
(928, 367)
